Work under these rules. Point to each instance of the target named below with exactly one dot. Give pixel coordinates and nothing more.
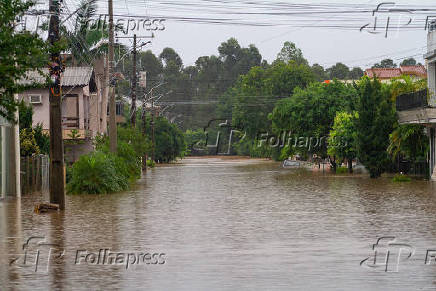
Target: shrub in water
(98, 173)
(341, 170)
(401, 178)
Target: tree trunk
(333, 164)
(350, 166)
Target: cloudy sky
(321, 45)
(327, 31)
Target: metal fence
(417, 168)
(34, 174)
(412, 100)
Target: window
(35, 99)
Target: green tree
(342, 138)
(290, 52)
(339, 71)
(257, 92)
(311, 112)
(25, 113)
(375, 123)
(386, 63)
(408, 62)
(42, 139)
(356, 73)
(170, 142)
(20, 51)
(194, 139)
(319, 72)
(408, 141)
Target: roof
(414, 70)
(389, 73)
(73, 76)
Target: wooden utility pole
(57, 187)
(152, 127)
(112, 104)
(133, 108)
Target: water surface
(227, 225)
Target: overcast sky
(319, 45)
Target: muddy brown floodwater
(212, 224)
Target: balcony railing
(412, 100)
(70, 122)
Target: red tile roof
(389, 73)
(414, 70)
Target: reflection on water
(228, 225)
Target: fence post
(38, 171)
(28, 174)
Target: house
(420, 107)
(83, 106)
(386, 74)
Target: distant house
(82, 106)
(386, 74)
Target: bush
(401, 178)
(28, 145)
(341, 170)
(98, 173)
(151, 164)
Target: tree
(257, 92)
(356, 73)
(171, 60)
(376, 119)
(339, 71)
(319, 72)
(342, 138)
(310, 112)
(408, 62)
(386, 63)
(290, 52)
(170, 142)
(20, 51)
(25, 113)
(409, 141)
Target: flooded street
(227, 225)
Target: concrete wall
(41, 112)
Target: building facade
(420, 107)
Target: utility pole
(144, 124)
(57, 187)
(133, 108)
(112, 104)
(152, 127)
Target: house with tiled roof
(84, 113)
(386, 74)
